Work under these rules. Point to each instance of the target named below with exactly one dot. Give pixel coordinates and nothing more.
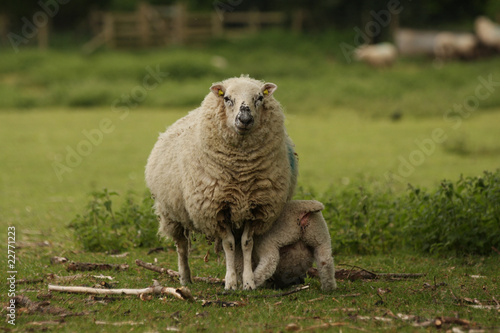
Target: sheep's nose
(245, 117)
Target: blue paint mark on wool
(291, 158)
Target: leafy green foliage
(457, 218)
(461, 217)
(100, 228)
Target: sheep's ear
(218, 90)
(268, 88)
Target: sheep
(225, 170)
(298, 238)
(488, 32)
(379, 55)
(448, 45)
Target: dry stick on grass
(182, 293)
(362, 273)
(87, 266)
(175, 274)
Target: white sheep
(298, 238)
(379, 55)
(225, 170)
(448, 45)
(488, 32)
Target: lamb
(299, 237)
(379, 55)
(226, 170)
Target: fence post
(143, 22)
(179, 24)
(253, 21)
(43, 36)
(217, 25)
(109, 30)
(298, 20)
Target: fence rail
(151, 26)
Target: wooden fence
(151, 26)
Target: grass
(331, 152)
(356, 305)
(339, 116)
(35, 201)
(327, 81)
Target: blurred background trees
(324, 14)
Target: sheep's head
(243, 103)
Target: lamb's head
(243, 102)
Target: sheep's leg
(182, 244)
(326, 268)
(247, 248)
(229, 250)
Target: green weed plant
(460, 218)
(101, 228)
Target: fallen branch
(182, 293)
(86, 266)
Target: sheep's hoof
(185, 282)
(249, 285)
(231, 282)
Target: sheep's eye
(259, 99)
(227, 100)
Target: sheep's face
(243, 103)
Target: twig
(361, 268)
(182, 293)
(350, 295)
(223, 304)
(495, 249)
(52, 276)
(401, 275)
(176, 274)
(28, 281)
(156, 249)
(156, 269)
(86, 266)
(343, 274)
(296, 290)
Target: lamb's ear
(268, 88)
(218, 89)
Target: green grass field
(67, 130)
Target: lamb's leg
(182, 244)
(229, 251)
(247, 248)
(268, 262)
(326, 268)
